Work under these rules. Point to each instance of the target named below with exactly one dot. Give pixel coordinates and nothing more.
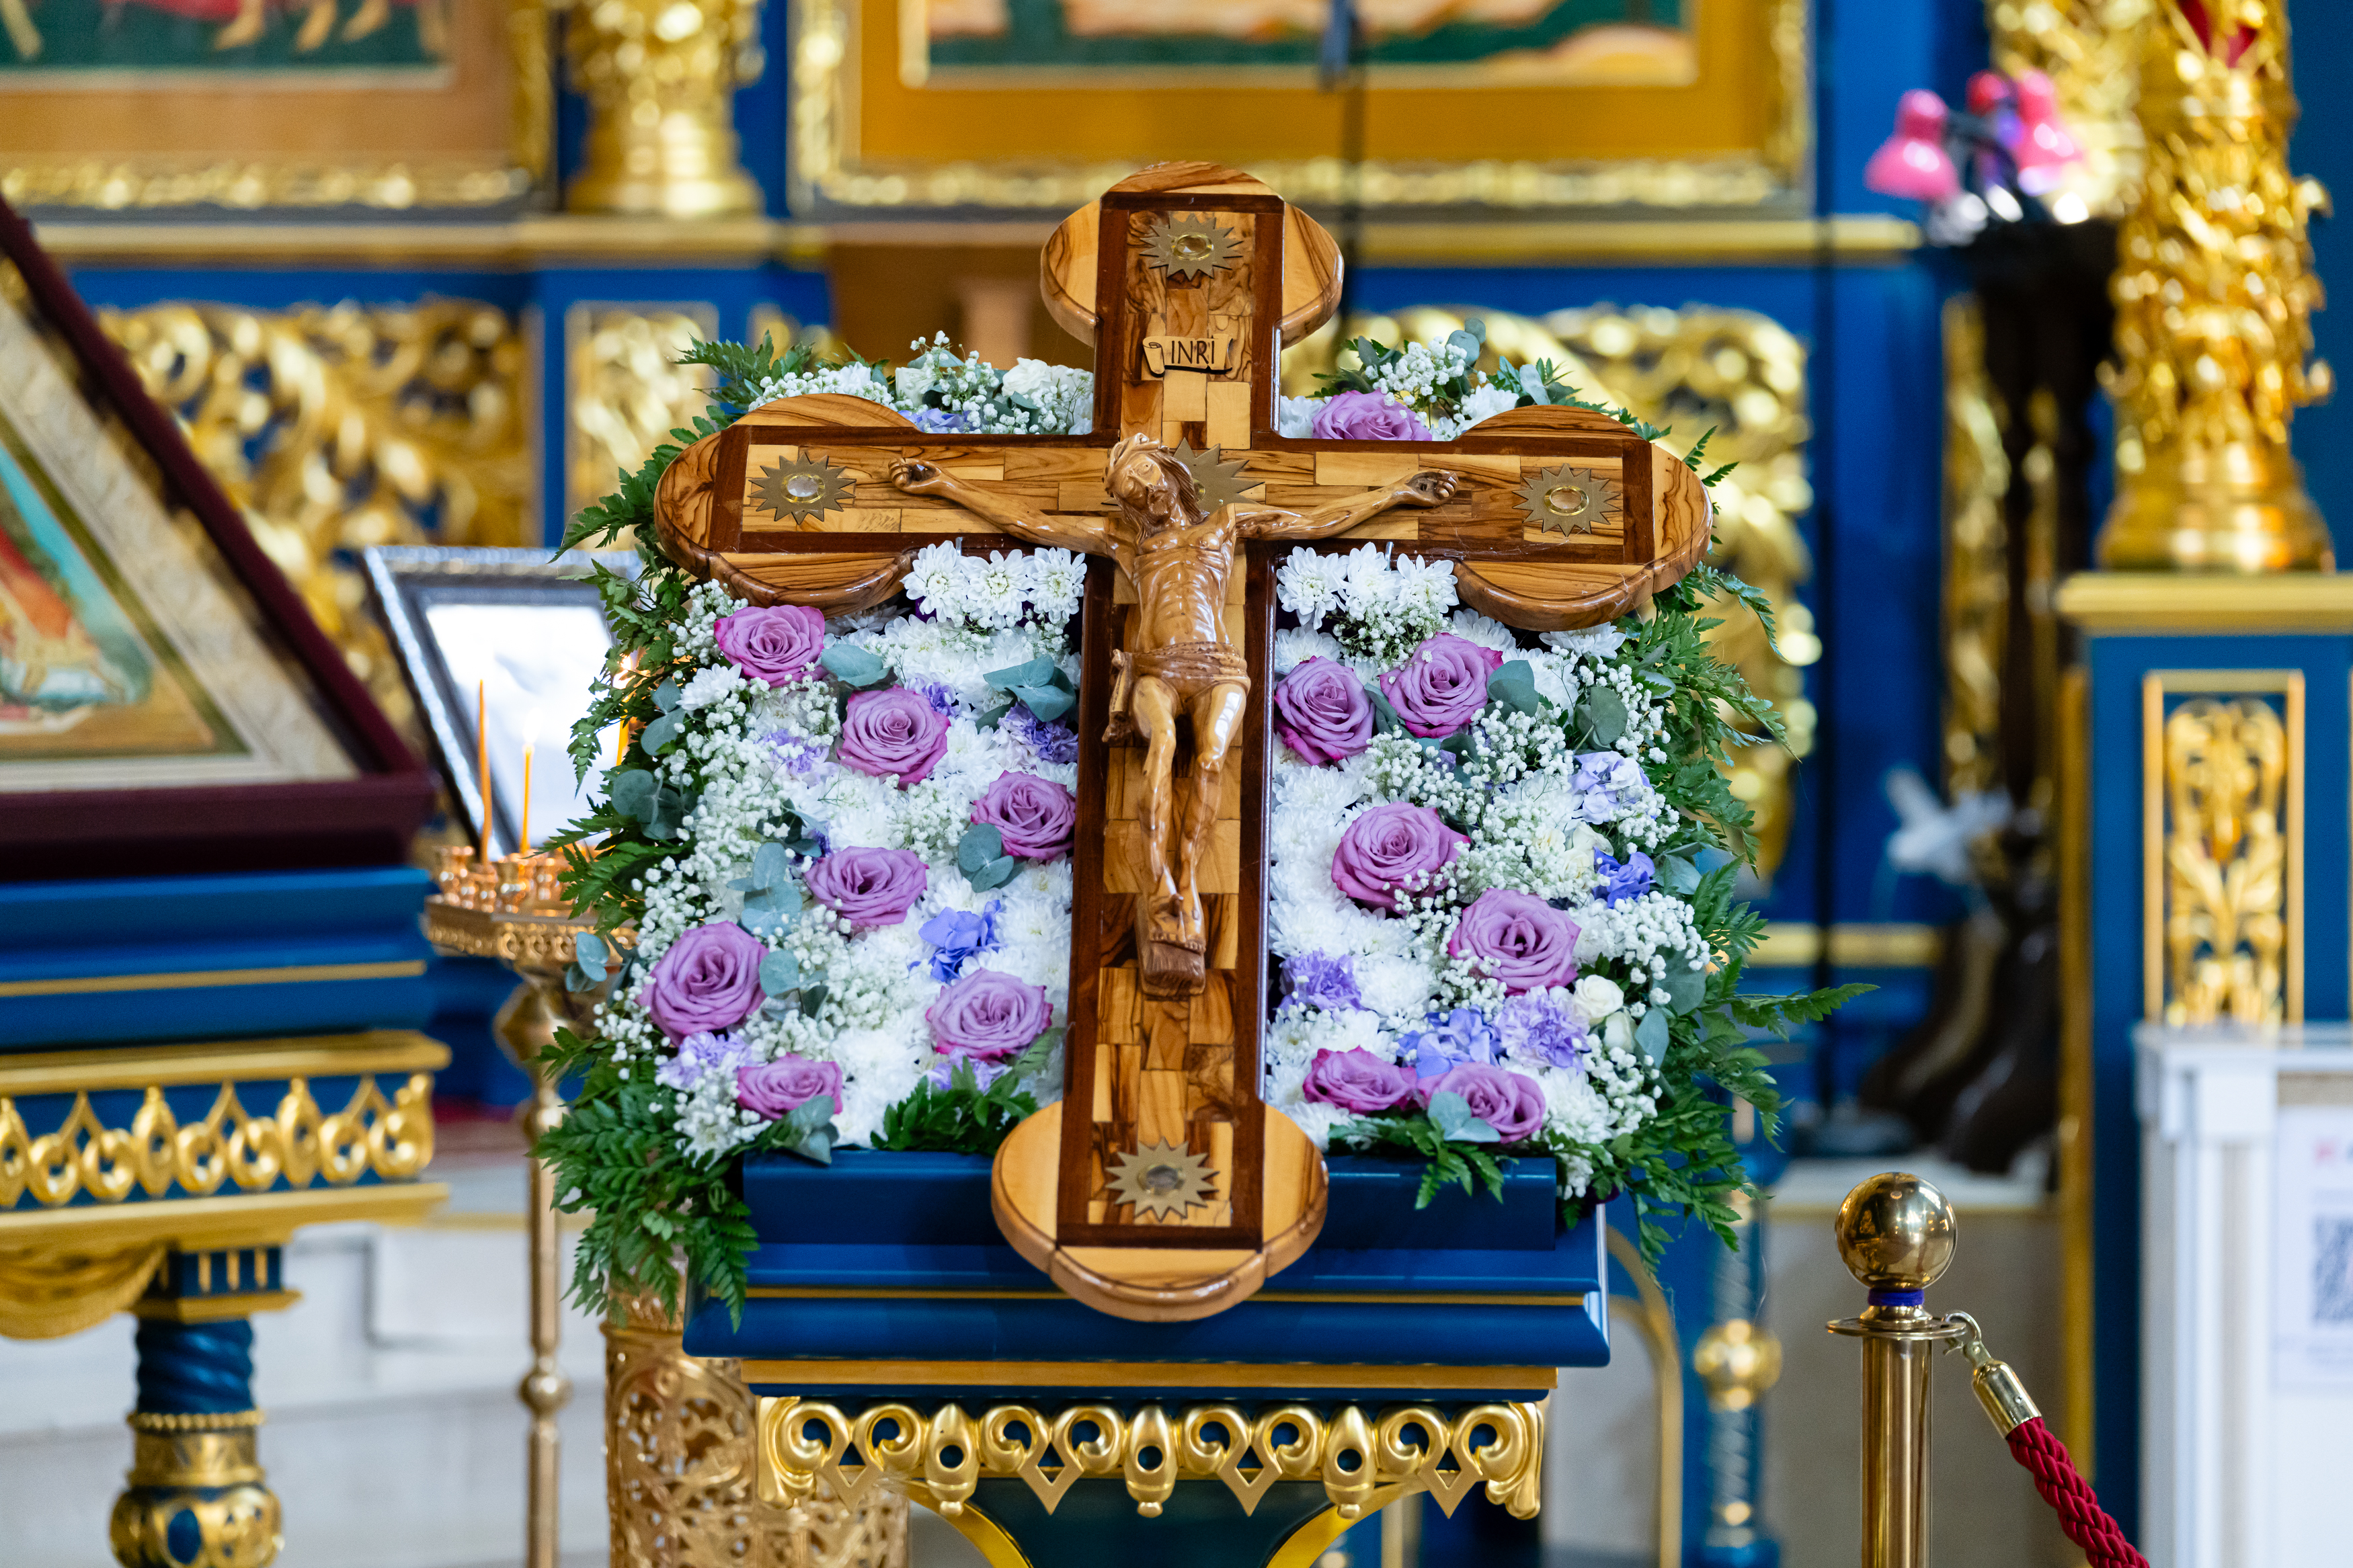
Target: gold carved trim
(225, 1421)
(201, 978)
(2222, 846)
(2124, 604)
(2075, 1083)
(828, 168)
(1354, 1453)
(192, 1225)
(212, 1309)
(46, 1294)
(1090, 1375)
(391, 1138)
(625, 387)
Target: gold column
(660, 77)
(1895, 1232)
(2214, 294)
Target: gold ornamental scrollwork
(942, 1457)
(2214, 291)
(2091, 51)
(1737, 370)
(390, 1137)
(338, 427)
(211, 1477)
(2225, 830)
(661, 78)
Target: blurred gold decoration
(2214, 294)
(1976, 590)
(680, 1475)
(660, 79)
(2231, 827)
(197, 1499)
(626, 390)
(335, 427)
(1735, 370)
(2091, 51)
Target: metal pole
(526, 1025)
(1897, 1234)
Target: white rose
(1597, 996)
(912, 381)
(1030, 378)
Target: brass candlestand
(513, 911)
(1895, 1232)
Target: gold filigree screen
(2222, 759)
(338, 427)
(1741, 373)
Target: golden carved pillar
(681, 1478)
(661, 78)
(2214, 293)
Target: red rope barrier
(2087, 1524)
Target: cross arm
(917, 476)
(1431, 487)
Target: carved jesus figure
(1178, 663)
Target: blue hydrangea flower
(1460, 1038)
(1620, 883)
(958, 934)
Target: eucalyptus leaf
(1467, 341)
(1650, 1033)
(1384, 718)
(588, 954)
(995, 874)
(631, 791)
(812, 998)
(980, 844)
(1605, 715)
(1677, 874)
(770, 864)
(853, 666)
(1685, 988)
(1048, 703)
(661, 731)
(1451, 1114)
(780, 972)
(1514, 685)
(665, 697)
(993, 718)
(1038, 671)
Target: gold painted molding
(192, 1225)
(201, 978)
(1091, 1374)
(1796, 944)
(2166, 603)
(1357, 1454)
(136, 1067)
(540, 240)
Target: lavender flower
(797, 755)
(1052, 742)
(942, 422)
(1608, 785)
(1321, 980)
(699, 1056)
(937, 694)
(1543, 1027)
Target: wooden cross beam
(1160, 1187)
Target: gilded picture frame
(876, 130)
(265, 105)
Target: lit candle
(482, 760)
(524, 849)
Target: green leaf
(1048, 703)
(812, 1000)
(779, 973)
(666, 696)
(631, 791)
(1451, 1113)
(658, 735)
(993, 718)
(1685, 988)
(1515, 685)
(588, 953)
(853, 666)
(1676, 874)
(1604, 713)
(995, 874)
(1650, 1033)
(1038, 671)
(980, 844)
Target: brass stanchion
(1895, 1232)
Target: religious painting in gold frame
(1711, 113)
(142, 105)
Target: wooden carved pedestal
(681, 1478)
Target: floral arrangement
(833, 861)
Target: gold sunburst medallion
(1218, 481)
(1162, 1179)
(802, 487)
(1566, 500)
(1182, 244)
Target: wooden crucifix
(1160, 1187)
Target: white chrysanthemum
(1486, 402)
(1294, 645)
(1295, 416)
(1472, 626)
(1397, 986)
(1309, 583)
(1426, 586)
(1370, 586)
(1593, 642)
(937, 572)
(911, 382)
(709, 686)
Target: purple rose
(709, 980)
(1321, 711)
(1442, 686)
(989, 1016)
(1367, 416)
(893, 731)
(775, 643)
(1518, 939)
(1356, 1081)
(775, 1089)
(1619, 883)
(1321, 980)
(1543, 1027)
(868, 887)
(1460, 1039)
(1392, 848)
(1510, 1103)
(1035, 816)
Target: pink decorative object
(1913, 162)
(2044, 145)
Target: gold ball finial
(1895, 1232)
